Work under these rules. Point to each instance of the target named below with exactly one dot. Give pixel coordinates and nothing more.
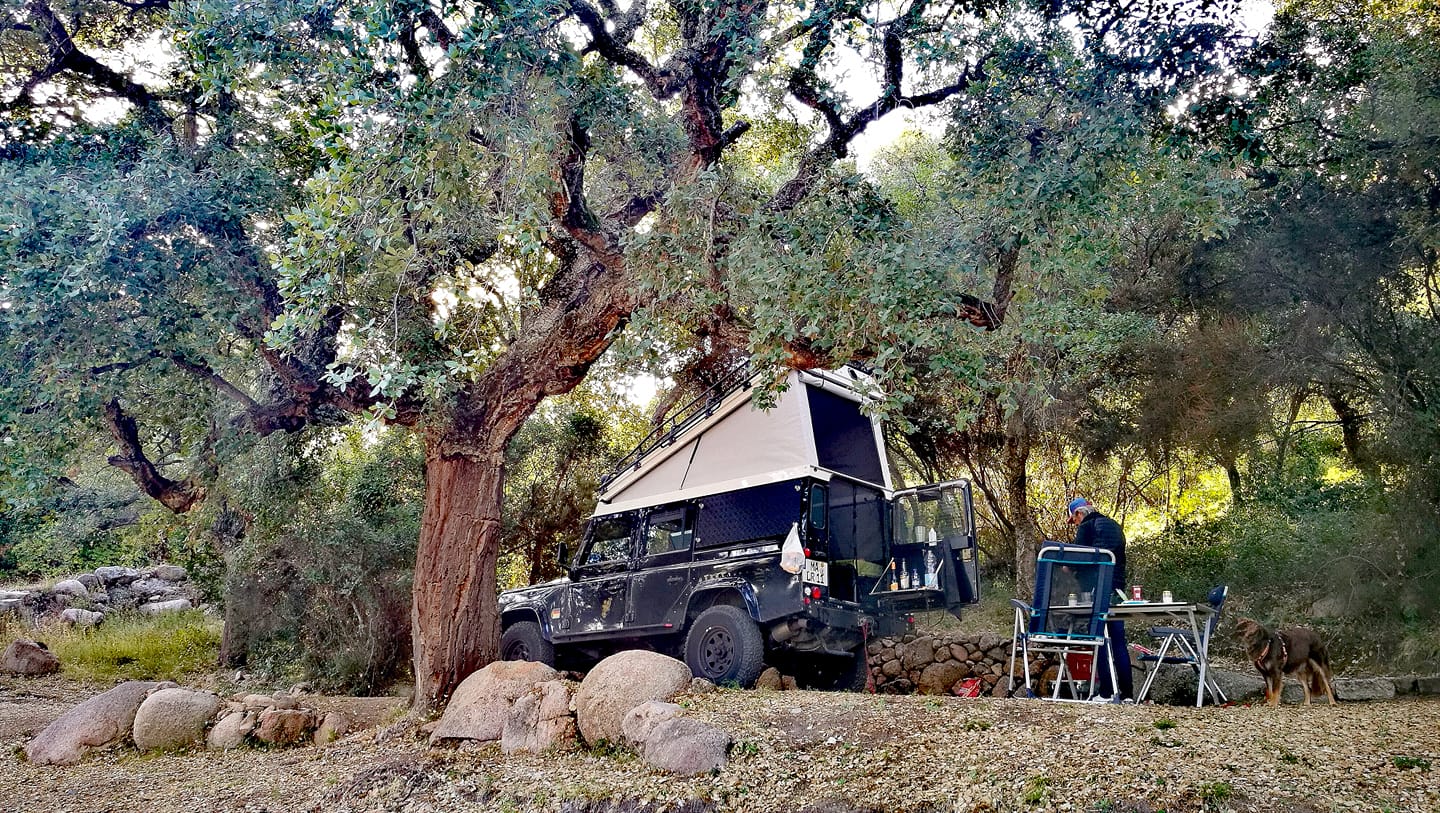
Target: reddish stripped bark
(453, 620)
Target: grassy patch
(1165, 724)
(164, 647)
(1037, 790)
(1405, 763)
(1214, 795)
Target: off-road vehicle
(684, 551)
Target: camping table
(1194, 615)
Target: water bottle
(932, 576)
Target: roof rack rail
(680, 421)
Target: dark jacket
(1099, 531)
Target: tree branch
(178, 496)
(662, 84)
(64, 56)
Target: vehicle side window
(669, 531)
(610, 540)
(818, 508)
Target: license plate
(817, 572)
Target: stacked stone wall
(942, 663)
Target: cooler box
(1079, 664)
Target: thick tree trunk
(454, 624)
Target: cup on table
(1087, 597)
(1166, 598)
(1073, 600)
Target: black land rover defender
(696, 571)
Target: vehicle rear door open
(933, 550)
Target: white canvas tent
(817, 428)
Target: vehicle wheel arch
(738, 594)
(515, 615)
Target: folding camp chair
(1178, 646)
(1051, 624)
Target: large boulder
(641, 721)
(231, 731)
(540, 720)
(76, 617)
(1346, 689)
(686, 746)
(172, 606)
(284, 726)
(333, 726)
(173, 718)
(117, 575)
(620, 683)
(103, 720)
(479, 705)
(937, 678)
(155, 589)
(917, 653)
(1175, 685)
(170, 573)
(71, 587)
(28, 658)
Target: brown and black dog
(1281, 652)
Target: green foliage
(554, 467)
(1407, 763)
(1352, 561)
(320, 580)
(170, 646)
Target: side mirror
(563, 556)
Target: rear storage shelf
(910, 572)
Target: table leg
(1204, 643)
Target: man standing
(1095, 530)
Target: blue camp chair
(1178, 646)
(1050, 624)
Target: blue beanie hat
(1076, 504)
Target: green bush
(1353, 561)
(170, 646)
(318, 578)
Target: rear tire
(724, 647)
(523, 641)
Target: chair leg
(1155, 672)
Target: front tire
(523, 641)
(724, 647)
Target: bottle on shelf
(932, 577)
(904, 578)
(894, 580)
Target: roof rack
(680, 421)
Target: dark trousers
(1121, 683)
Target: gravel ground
(798, 751)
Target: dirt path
(799, 751)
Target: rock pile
(623, 701)
(86, 599)
(165, 717)
(943, 663)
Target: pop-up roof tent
(816, 428)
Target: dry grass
(170, 646)
(804, 751)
